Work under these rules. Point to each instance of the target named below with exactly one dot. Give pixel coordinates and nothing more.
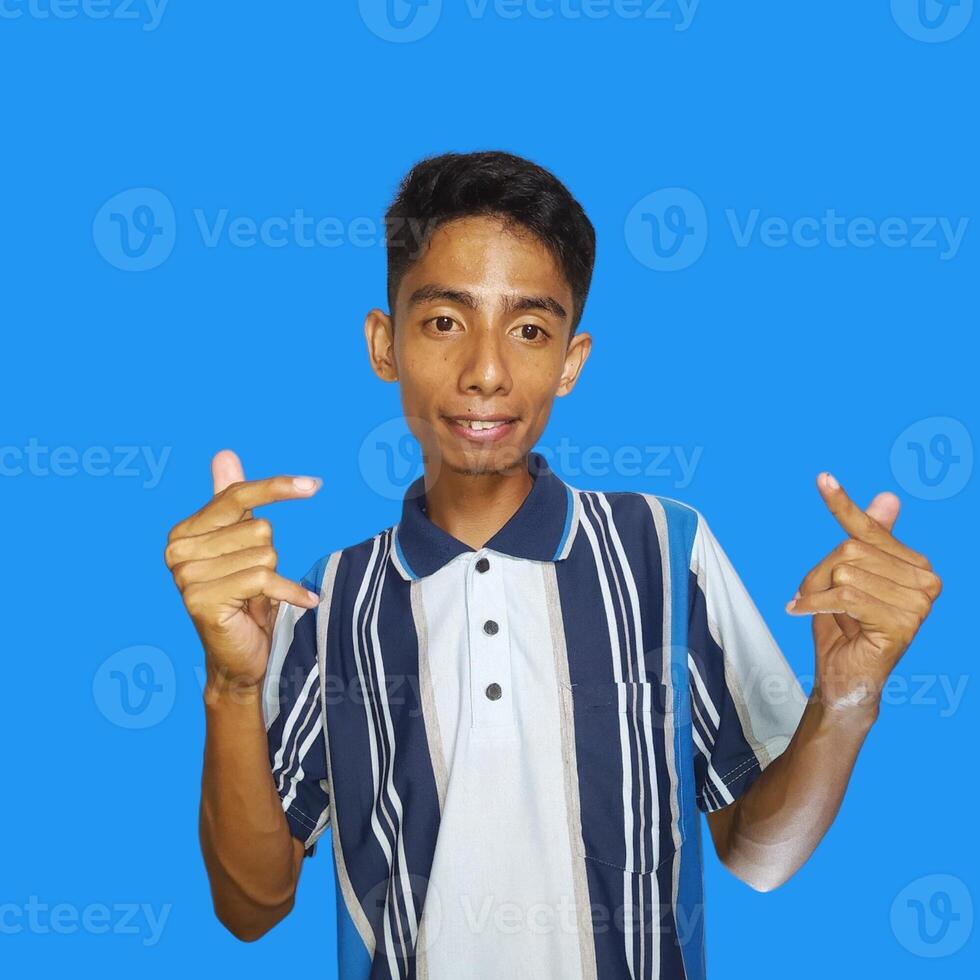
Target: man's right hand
(224, 564)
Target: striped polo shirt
(511, 744)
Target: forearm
(778, 823)
(245, 840)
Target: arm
(869, 597)
(768, 833)
(252, 859)
(223, 563)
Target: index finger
(234, 503)
(861, 525)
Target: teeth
(474, 424)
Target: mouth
(487, 428)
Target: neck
(473, 507)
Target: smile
(481, 430)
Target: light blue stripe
(353, 959)
(681, 528)
(401, 557)
(569, 510)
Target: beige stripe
(433, 735)
(346, 888)
(580, 881)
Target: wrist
(222, 689)
(856, 713)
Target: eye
(532, 332)
(443, 324)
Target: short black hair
(492, 183)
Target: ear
(575, 357)
(379, 332)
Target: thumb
(884, 509)
(226, 468)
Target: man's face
(481, 332)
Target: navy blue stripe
(731, 755)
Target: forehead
(485, 253)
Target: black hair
(493, 183)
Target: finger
(223, 541)
(226, 469)
(873, 559)
(870, 612)
(236, 501)
(884, 509)
(885, 589)
(209, 569)
(863, 526)
(233, 591)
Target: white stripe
(712, 775)
(298, 706)
(282, 638)
(302, 750)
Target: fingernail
(313, 596)
(831, 482)
(305, 483)
(790, 605)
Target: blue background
(773, 362)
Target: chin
(479, 461)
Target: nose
(484, 370)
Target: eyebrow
(512, 304)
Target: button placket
(490, 668)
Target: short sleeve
(746, 701)
(293, 712)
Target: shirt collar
(541, 529)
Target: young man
(511, 707)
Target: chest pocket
(630, 804)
